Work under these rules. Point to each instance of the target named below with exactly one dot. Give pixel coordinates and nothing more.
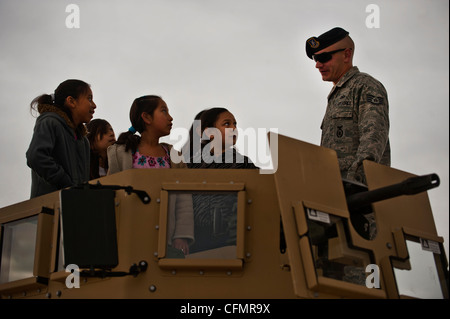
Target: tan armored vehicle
(301, 232)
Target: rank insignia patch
(374, 99)
(339, 132)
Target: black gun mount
(143, 196)
(410, 186)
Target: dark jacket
(231, 158)
(58, 158)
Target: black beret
(315, 44)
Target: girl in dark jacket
(219, 125)
(58, 154)
(215, 214)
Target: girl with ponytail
(149, 116)
(58, 154)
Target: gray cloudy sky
(246, 55)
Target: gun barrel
(410, 186)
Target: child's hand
(181, 244)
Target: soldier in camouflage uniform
(356, 122)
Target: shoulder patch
(374, 99)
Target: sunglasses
(326, 56)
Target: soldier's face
(333, 69)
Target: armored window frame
(402, 236)
(202, 263)
(43, 251)
(314, 280)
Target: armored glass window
(18, 246)
(202, 225)
(332, 253)
(419, 277)
(60, 252)
(202, 228)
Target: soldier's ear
(348, 55)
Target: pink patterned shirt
(143, 161)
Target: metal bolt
(174, 272)
(248, 255)
(155, 254)
(249, 227)
(157, 227)
(389, 245)
(249, 201)
(158, 200)
(201, 272)
(152, 288)
(48, 295)
(229, 273)
(58, 293)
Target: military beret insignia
(374, 99)
(313, 42)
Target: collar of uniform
(350, 73)
(347, 76)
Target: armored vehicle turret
(301, 232)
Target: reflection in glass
(422, 279)
(214, 225)
(60, 259)
(332, 253)
(18, 249)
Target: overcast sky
(246, 55)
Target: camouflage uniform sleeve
(373, 126)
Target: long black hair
(96, 127)
(210, 116)
(207, 118)
(71, 87)
(188, 148)
(146, 103)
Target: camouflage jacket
(356, 123)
